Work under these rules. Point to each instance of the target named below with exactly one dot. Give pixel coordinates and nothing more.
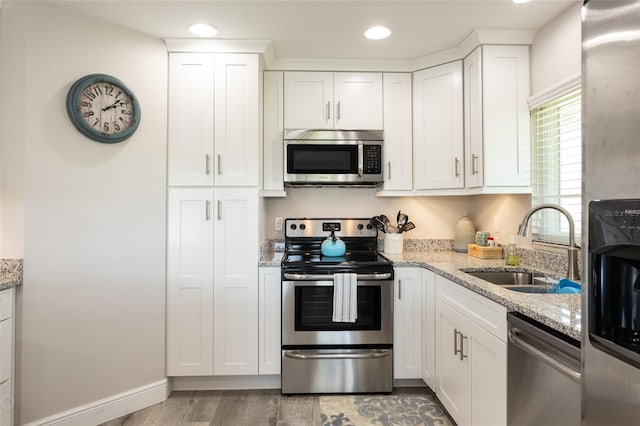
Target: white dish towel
(345, 297)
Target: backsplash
(537, 259)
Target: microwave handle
(360, 159)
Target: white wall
(92, 309)
(434, 217)
(556, 52)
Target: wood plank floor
(234, 408)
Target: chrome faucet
(572, 250)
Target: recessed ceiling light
(203, 30)
(377, 33)
(520, 1)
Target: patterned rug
(385, 410)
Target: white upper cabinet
(398, 136)
(214, 119)
(438, 127)
(326, 100)
(358, 100)
(190, 119)
(497, 129)
(474, 160)
(273, 132)
(237, 120)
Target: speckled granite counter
(10, 273)
(270, 258)
(562, 312)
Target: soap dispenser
(511, 252)
(465, 234)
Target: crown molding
(476, 38)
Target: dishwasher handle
(548, 355)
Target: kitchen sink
(523, 282)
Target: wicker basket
(484, 252)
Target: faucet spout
(572, 250)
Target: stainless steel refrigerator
(611, 212)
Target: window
(556, 169)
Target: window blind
(556, 169)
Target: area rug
(385, 410)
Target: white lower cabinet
(7, 302)
(212, 281)
(407, 323)
(471, 359)
(429, 344)
(270, 314)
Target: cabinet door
(474, 161)
(429, 328)
(308, 99)
(237, 121)
(190, 282)
(438, 127)
(235, 333)
(407, 324)
(506, 115)
(454, 372)
(358, 100)
(398, 132)
(488, 357)
(190, 119)
(7, 402)
(273, 86)
(269, 329)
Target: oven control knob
(360, 227)
(293, 226)
(303, 226)
(369, 226)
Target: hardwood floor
(233, 408)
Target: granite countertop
(10, 273)
(562, 312)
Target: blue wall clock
(102, 108)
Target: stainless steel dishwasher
(543, 381)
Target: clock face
(103, 108)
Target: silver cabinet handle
(328, 110)
(389, 169)
(219, 210)
(207, 169)
(338, 111)
(337, 355)
(360, 159)
(457, 167)
(207, 210)
(455, 341)
(474, 164)
(462, 339)
(219, 161)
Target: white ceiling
(327, 29)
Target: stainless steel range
(322, 353)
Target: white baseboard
(110, 408)
(226, 382)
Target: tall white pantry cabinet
(213, 247)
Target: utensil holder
(393, 243)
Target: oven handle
(318, 277)
(337, 355)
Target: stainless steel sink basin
(523, 282)
(504, 277)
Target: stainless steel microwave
(333, 157)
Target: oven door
(307, 310)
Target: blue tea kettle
(333, 246)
